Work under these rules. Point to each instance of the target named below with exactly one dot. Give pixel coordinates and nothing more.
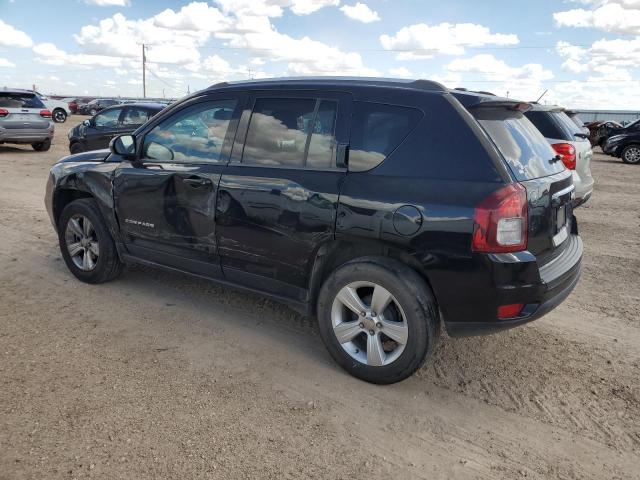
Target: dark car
(624, 143)
(96, 133)
(387, 207)
(96, 105)
(75, 103)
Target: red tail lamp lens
(510, 311)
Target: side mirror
(86, 123)
(125, 146)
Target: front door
(278, 196)
(165, 201)
(104, 126)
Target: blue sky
(584, 52)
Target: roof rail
(428, 85)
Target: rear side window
(376, 131)
(525, 149)
(20, 100)
(135, 116)
(292, 132)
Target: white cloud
(444, 39)
(401, 72)
(360, 12)
(109, 3)
(52, 55)
(11, 37)
(274, 8)
(617, 16)
(489, 73)
(6, 63)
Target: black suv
(624, 143)
(96, 132)
(386, 207)
(94, 106)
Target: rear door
(278, 197)
(21, 111)
(165, 201)
(533, 163)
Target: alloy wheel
(632, 155)
(369, 323)
(82, 242)
(59, 116)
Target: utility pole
(144, 73)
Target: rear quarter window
(522, 145)
(376, 131)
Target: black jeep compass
(387, 207)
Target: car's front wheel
(42, 146)
(631, 154)
(59, 115)
(86, 244)
(77, 147)
(378, 319)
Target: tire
(77, 148)
(631, 154)
(410, 315)
(42, 146)
(59, 115)
(86, 265)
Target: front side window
(291, 132)
(108, 119)
(376, 131)
(135, 116)
(193, 135)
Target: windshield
(526, 151)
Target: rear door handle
(197, 181)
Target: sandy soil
(158, 375)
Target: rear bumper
(583, 189)
(557, 279)
(30, 135)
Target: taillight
(567, 154)
(45, 113)
(500, 221)
(509, 311)
(4, 112)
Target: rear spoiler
(502, 103)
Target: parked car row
(390, 208)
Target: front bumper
(558, 278)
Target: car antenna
(543, 94)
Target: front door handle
(197, 181)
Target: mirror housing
(124, 146)
(86, 122)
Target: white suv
(59, 110)
(570, 143)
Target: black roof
(315, 82)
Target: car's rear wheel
(59, 115)
(378, 319)
(631, 154)
(86, 244)
(42, 146)
(76, 148)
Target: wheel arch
(333, 254)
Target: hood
(93, 156)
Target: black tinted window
(376, 131)
(195, 134)
(291, 132)
(549, 125)
(135, 116)
(20, 100)
(522, 145)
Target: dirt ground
(157, 375)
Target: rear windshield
(554, 125)
(524, 148)
(20, 100)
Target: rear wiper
(581, 135)
(555, 159)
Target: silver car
(570, 143)
(25, 119)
